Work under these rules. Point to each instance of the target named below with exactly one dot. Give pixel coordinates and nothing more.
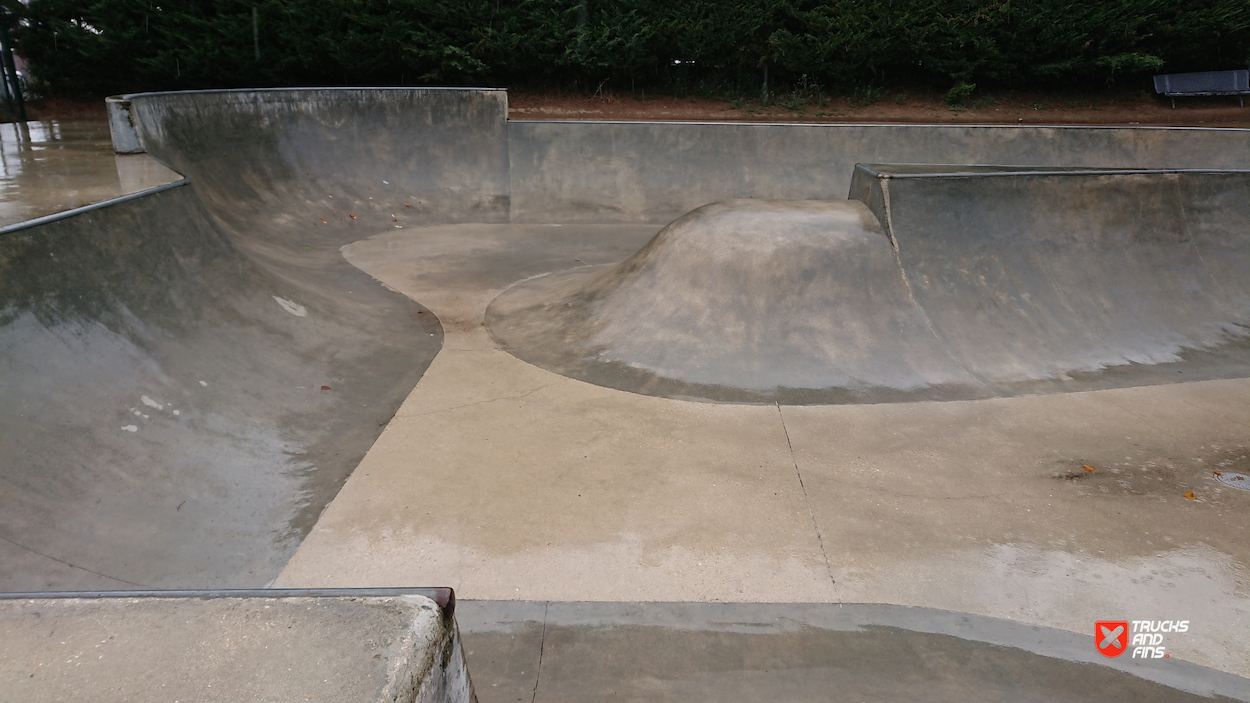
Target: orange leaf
(1087, 467)
(1190, 495)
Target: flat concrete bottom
(552, 489)
(550, 652)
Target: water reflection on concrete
(562, 651)
(56, 165)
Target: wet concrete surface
(57, 165)
(560, 651)
(195, 410)
(555, 489)
(306, 253)
(187, 378)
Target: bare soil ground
(60, 109)
(906, 107)
(909, 107)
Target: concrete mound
(984, 281)
(740, 301)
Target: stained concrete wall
(1041, 280)
(451, 155)
(442, 152)
(653, 172)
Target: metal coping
(895, 125)
(128, 96)
(1005, 125)
(1039, 171)
(27, 224)
(444, 596)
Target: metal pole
(10, 68)
(4, 83)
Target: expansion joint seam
(542, 644)
(820, 540)
(72, 566)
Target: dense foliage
(99, 46)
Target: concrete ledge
(238, 646)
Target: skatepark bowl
(680, 410)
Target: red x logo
(1111, 636)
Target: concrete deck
(57, 165)
(236, 647)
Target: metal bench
(1183, 85)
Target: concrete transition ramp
(187, 376)
(933, 283)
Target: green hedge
(106, 46)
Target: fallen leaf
(1190, 495)
(407, 205)
(1217, 473)
(1087, 467)
(353, 215)
(323, 220)
(325, 388)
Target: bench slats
(1206, 83)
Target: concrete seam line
(62, 561)
(542, 644)
(820, 540)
